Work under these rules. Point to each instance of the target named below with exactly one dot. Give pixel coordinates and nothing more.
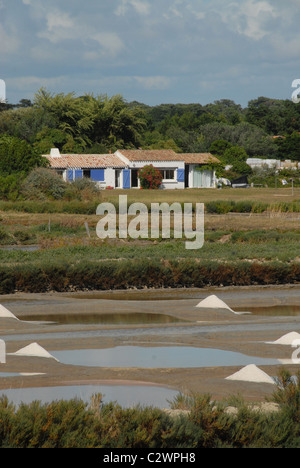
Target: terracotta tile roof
(150, 155)
(85, 161)
(197, 158)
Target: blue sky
(152, 51)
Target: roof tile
(150, 155)
(197, 158)
(85, 161)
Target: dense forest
(89, 124)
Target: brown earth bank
(184, 325)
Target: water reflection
(149, 295)
(125, 395)
(275, 311)
(24, 248)
(9, 374)
(104, 319)
(162, 357)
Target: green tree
(236, 157)
(289, 146)
(117, 124)
(86, 120)
(75, 116)
(18, 156)
(219, 147)
(10, 186)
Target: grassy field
(264, 195)
(243, 247)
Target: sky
(151, 51)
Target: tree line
(102, 124)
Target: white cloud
(158, 49)
(60, 26)
(26, 83)
(153, 82)
(250, 17)
(110, 42)
(143, 8)
(140, 6)
(9, 42)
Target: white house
(120, 170)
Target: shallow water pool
(157, 357)
(125, 395)
(275, 311)
(104, 319)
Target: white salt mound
(34, 349)
(5, 313)
(213, 302)
(287, 339)
(251, 373)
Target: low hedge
(127, 274)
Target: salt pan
(34, 349)
(213, 302)
(5, 313)
(251, 373)
(290, 339)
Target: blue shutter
(126, 178)
(78, 174)
(97, 175)
(180, 175)
(70, 175)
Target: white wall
(166, 184)
(109, 177)
(109, 174)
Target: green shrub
(5, 237)
(10, 186)
(82, 189)
(150, 177)
(43, 183)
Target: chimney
(54, 153)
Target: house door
(202, 179)
(197, 178)
(186, 176)
(134, 178)
(117, 178)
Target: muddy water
(126, 396)
(104, 319)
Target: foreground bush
(206, 424)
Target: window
(168, 174)
(87, 173)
